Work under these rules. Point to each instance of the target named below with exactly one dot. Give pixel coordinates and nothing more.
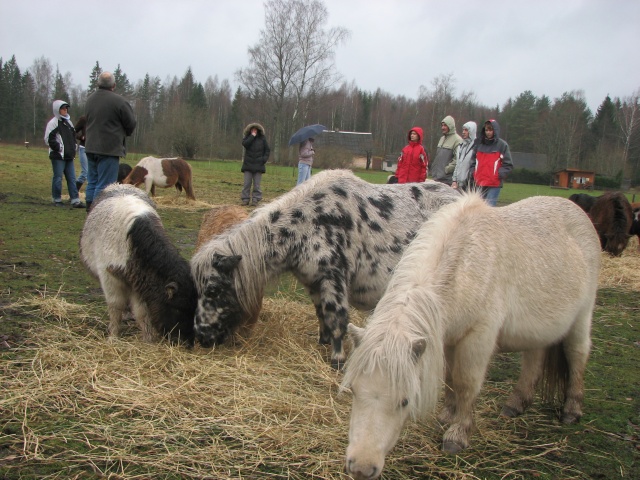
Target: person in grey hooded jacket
(444, 163)
(60, 135)
(465, 157)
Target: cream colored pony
(476, 280)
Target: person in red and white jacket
(493, 161)
(413, 161)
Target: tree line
(290, 82)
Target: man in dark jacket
(110, 120)
(493, 161)
(256, 154)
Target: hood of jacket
(56, 107)
(451, 123)
(473, 130)
(496, 131)
(247, 129)
(418, 130)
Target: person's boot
(89, 206)
(78, 186)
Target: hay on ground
(267, 407)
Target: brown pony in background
(218, 220)
(612, 216)
(583, 200)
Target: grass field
(75, 404)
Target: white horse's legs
(577, 345)
(116, 296)
(141, 314)
(472, 355)
(449, 408)
(148, 185)
(524, 391)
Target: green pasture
(39, 256)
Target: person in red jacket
(413, 161)
(493, 162)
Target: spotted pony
(340, 236)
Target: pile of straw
(622, 272)
(267, 407)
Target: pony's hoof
(451, 447)
(569, 418)
(509, 412)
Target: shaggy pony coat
(476, 280)
(124, 245)
(340, 236)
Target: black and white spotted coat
(339, 235)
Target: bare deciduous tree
(629, 122)
(293, 59)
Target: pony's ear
(170, 289)
(225, 263)
(418, 347)
(355, 333)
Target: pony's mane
(410, 311)
(387, 347)
(250, 239)
(430, 251)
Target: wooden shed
(359, 144)
(574, 178)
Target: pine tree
(11, 95)
(123, 86)
(59, 88)
(93, 78)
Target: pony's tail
(555, 374)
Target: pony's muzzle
(362, 472)
(209, 335)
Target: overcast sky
(496, 49)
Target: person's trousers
(62, 167)
(491, 195)
(304, 173)
(82, 155)
(103, 171)
(247, 194)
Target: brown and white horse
(162, 172)
(476, 280)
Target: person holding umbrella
(256, 154)
(306, 152)
(305, 160)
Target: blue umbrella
(306, 132)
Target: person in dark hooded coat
(256, 154)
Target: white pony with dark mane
(475, 280)
(339, 235)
